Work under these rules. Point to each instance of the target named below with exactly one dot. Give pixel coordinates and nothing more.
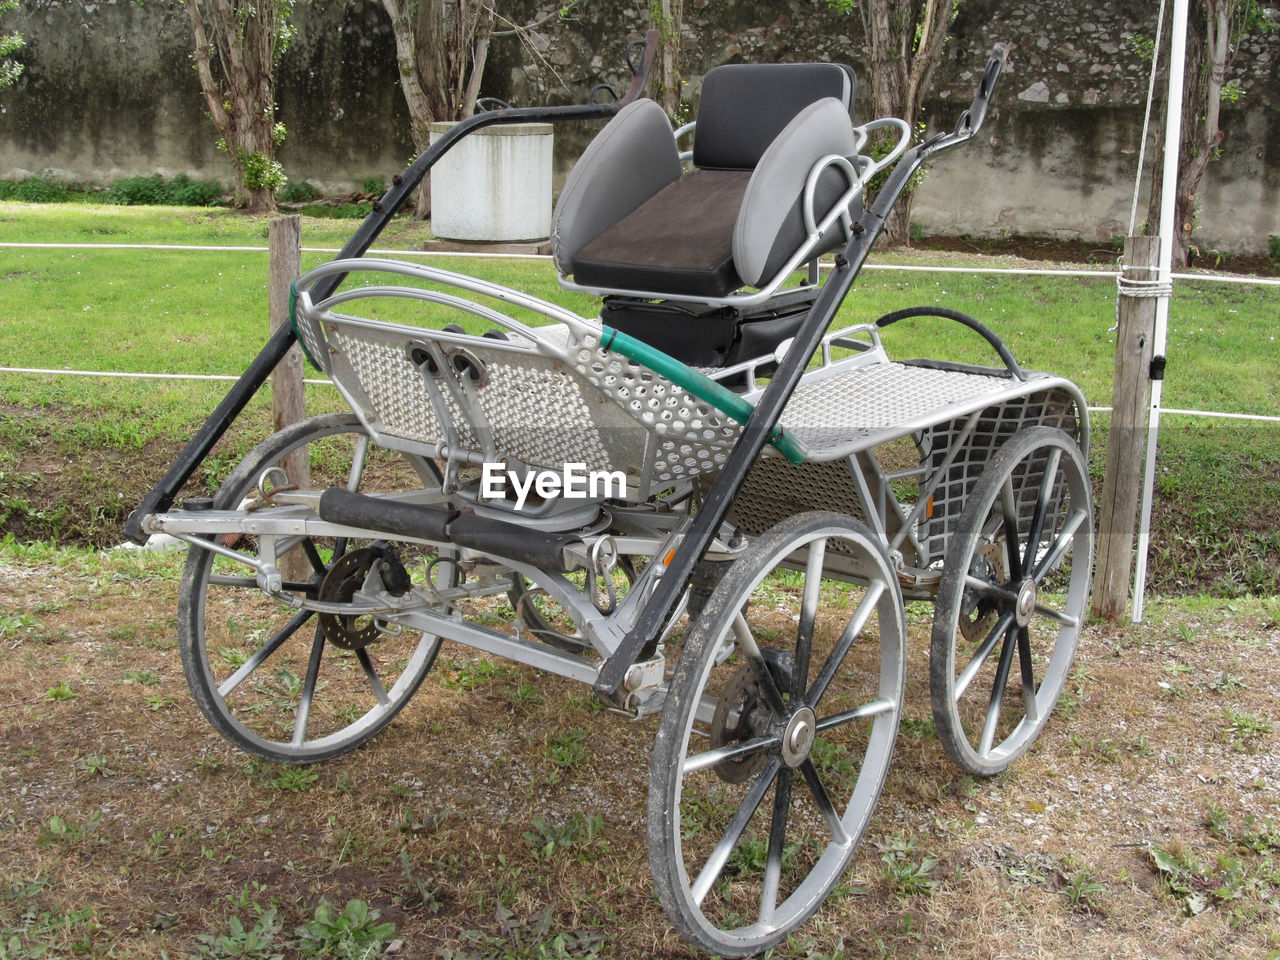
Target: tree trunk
(235, 49)
(906, 39)
(668, 18)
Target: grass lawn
(202, 312)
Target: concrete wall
(110, 91)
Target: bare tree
(237, 43)
(442, 47)
(1215, 29)
(906, 39)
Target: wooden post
(288, 406)
(1127, 437)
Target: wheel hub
(1026, 603)
(798, 737)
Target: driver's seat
(631, 222)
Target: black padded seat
(680, 242)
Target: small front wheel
(1011, 601)
(776, 734)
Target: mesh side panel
(996, 425)
(312, 339)
(692, 436)
(776, 489)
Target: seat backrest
(744, 106)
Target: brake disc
(353, 631)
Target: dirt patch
(1143, 823)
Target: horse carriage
(707, 503)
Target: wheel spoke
(808, 616)
(1057, 615)
(988, 587)
(259, 657)
(981, 654)
(1028, 674)
(777, 841)
(751, 650)
(823, 800)
(724, 849)
(1009, 517)
(868, 711)
(371, 674)
(313, 555)
(359, 457)
(1060, 546)
(735, 751)
(852, 630)
(1042, 508)
(308, 689)
(997, 694)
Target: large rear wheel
(292, 685)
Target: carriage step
(547, 551)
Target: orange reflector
(928, 508)
(671, 555)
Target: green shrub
(185, 192)
(43, 188)
(181, 191)
(299, 192)
(374, 185)
(137, 191)
(1275, 246)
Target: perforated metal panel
(690, 437)
(776, 489)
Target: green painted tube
(701, 386)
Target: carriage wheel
(291, 685)
(776, 734)
(1011, 601)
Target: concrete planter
(494, 185)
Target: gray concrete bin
(494, 184)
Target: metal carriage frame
(866, 480)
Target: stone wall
(110, 91)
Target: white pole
(1164, 274)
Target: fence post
(1126, 440)
(288, 406)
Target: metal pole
(1168, 198)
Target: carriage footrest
(538, 548)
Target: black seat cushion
(679, 242)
